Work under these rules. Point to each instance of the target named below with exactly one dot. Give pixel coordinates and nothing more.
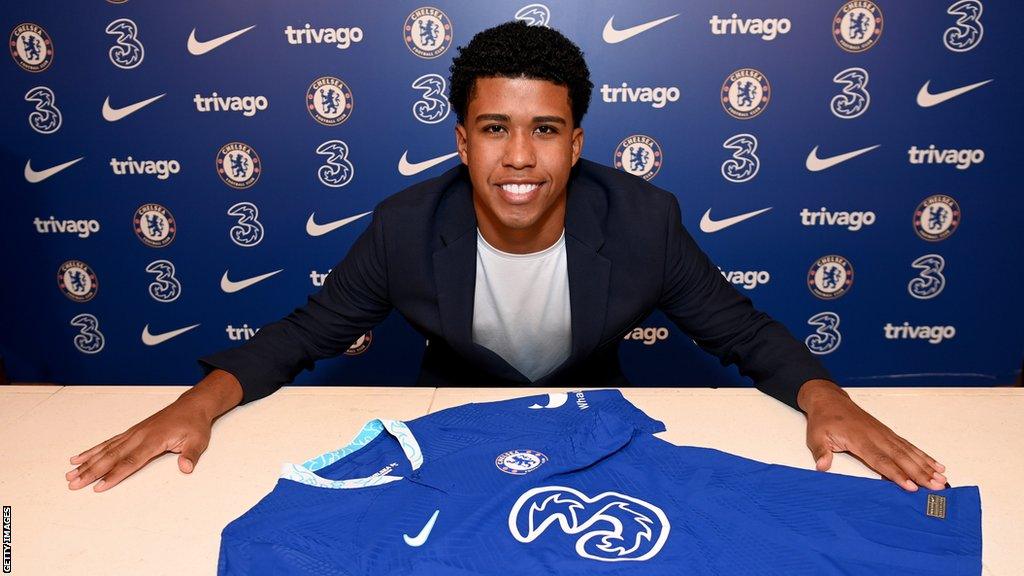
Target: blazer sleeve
(353, 299)
(724, 322)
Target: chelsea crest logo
(519, 462)
(857, 25)
(329, 100)
(154, 225)
(238, 165)
(31, 47)
(937, 217)
(745, 93)
(428, 32)
(77, 281)
(830, 277)
(639, 155)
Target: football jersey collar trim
(306, 472)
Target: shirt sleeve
(353, 299)
(724, 322)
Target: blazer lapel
(455, 278)
(589, 271)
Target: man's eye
(494, 129)
(545, 129)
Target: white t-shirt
(521, 306)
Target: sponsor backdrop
(177, 175)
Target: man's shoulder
(619, 192)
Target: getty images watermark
(7, 539)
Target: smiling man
(523, 266)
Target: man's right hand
(183, 427)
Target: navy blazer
(627, 254)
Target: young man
(525, 265)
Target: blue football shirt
(577, 484)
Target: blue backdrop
(178, 174)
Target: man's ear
(460, 142)
(577, 144)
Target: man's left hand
(836, 424)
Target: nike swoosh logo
(230, 287)
(708, 225)
(421, 538)
(154, 339)
(406, 168)
(197, 48)
(34, 177)
(815, 164)
(111, 114)
(613, 36)
(926, 99)
(314, 229)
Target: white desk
(161, 521)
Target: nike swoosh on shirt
(406, 168)
(613, 36)
(111, 114)
(230, 287)
(815, 164)
(421, 538)
(708, 225)
(314, 229)
(154, 339)
(926, 99)
(34, 177)
(197, 48)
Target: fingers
(914, 466)
(115, 454)
(189, 457)
(125, 467)
(931, 461)
(89, 453)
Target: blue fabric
(509, 489)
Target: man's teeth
(519, 188)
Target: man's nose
(519, 152)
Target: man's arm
(836, 424)
(354, 298)
(725, 323)
(183, 427)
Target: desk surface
(161, 521)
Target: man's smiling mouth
(519, 192)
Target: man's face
(519, 143)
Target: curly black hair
(517, 50)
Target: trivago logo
(767, 28)
(342, 38)
(962, 159)
(657, 96)
(933, 334)
(649, 336)
(749, 279)
(162, 169)
(852, 221)
(81, 228)
(242, 333)
(318, 278)
(247, 105)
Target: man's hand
(183, 427)
(836, 424)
